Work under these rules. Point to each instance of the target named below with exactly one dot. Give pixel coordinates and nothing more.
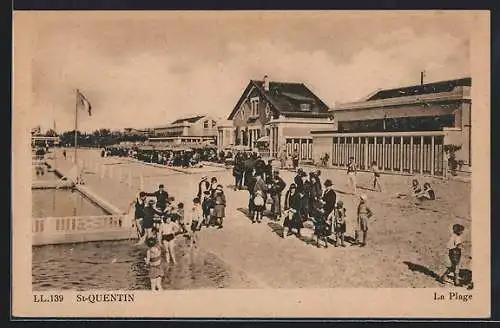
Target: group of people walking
(306, 199)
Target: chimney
(266, 83)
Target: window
(213, 124)
(305, 107)
(254, 106)
(205, 124)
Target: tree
(452, 161)
(51, 133)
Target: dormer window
(305, 107)
(205, 125)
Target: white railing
(79, 224)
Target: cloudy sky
(146, 69)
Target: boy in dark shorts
(339, 223)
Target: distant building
(134, 132)
(148, 132)
(45, 141)
(407, 128)
(196, 129)
(271, 116)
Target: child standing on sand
(219, 205)
(180, 217)
(364, 213)
(376, 177)
(153, 259)
(196, 219)
(339, 223)
(168, 230)
(454, 254)
(259, 204)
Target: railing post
(411, 154)
(383, 153)
(421, 154)
(392, 153)
(352, 153)
(432, 155)
(401, 155)
(339, 153)
(367, 144)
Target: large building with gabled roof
(272, 116)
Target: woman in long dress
(294, 207)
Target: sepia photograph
(264, 152)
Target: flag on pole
(82, 102)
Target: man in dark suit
(161, 197)
(329, 197)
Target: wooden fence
(420, 152)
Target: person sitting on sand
(425, 193)
(429, 192)
(417, 189)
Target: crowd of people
(307, 202)
(175, 157)
(159, 219)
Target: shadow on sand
(421, 269)
(465, 275)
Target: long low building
(404, 129)
(195, 129)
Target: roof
(285, 99)
(193, 119)
(428, 88)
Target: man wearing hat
(329, 198)
(203, 186)
(277, 187)
(298, 180)
(161, 197)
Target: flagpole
(76, 128)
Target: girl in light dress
(153, 260)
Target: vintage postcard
(251, 164)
